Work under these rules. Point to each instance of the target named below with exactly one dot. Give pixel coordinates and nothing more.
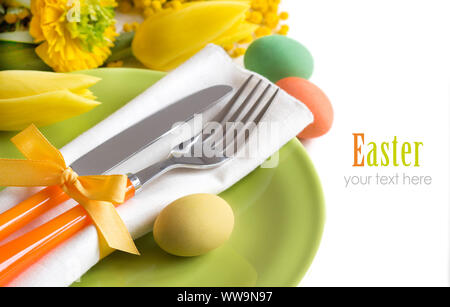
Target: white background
(385, 66)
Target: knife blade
(114, 151)
(138, 137)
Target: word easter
(409, 154)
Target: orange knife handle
(31, 208)
(19, 254)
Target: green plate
(279, 213)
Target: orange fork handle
(31, 208)
(19, 254)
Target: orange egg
(316, 100)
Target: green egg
(194, 225)
(277, 57)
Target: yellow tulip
(170, 37)
(42, 98)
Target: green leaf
(122, 47)
(20, 56)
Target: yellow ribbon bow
(45, 166)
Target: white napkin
(211, 66)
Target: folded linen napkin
(210, 66)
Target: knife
(113, 152)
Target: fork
(20, 253)
(178, 157)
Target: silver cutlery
(115, 151)
(250, 111)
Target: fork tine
(256, 104)
(264, 110)
(222, 116)
(256, 120)
(244, 113)
(245, 117)
(236, 116)
(225, 114)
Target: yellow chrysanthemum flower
(74, 34)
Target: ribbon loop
(45, 166)
(34, 146)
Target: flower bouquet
(71, 35)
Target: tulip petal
(167, 39)
(21, 83)
(239, 31)
(42, 109)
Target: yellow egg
(194, 225)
